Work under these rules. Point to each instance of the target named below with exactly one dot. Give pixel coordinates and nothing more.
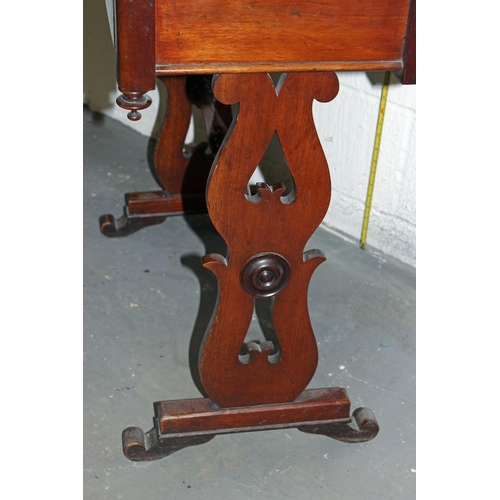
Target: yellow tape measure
(373, 168)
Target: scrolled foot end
(145, 447)
(134, 447)
(364, 428)
(124, 226)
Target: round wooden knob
(265, 275)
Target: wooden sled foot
(148, 209)
(183, 423)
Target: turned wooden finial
(134, 102)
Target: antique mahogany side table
(213, 54)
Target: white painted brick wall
(346, 127)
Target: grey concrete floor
(147, 301)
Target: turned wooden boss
(265, 275)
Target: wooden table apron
(254, 385)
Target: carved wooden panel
(266, 234)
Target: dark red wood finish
(172, 37)
(182, 176)
(408, 76)
(225, 36)
(198, 415)
(135, 45)
(258, 385)
(136, 56)
(265, 224)
(180, 424)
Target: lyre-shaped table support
(261, 386)
(181, 176)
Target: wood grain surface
(201, 415)
(225, 36)
(266, 224)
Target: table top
(168, 37)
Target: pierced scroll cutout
(271, 193)
(265, 224)
(272, 171)
(261, 349)
(261, 334)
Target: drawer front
(213, 36)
